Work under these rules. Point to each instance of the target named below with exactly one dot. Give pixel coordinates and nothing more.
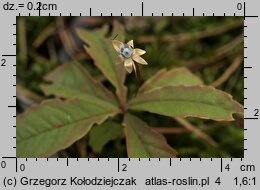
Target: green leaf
(100, 135)
(173, 77)
(71, 80)
(196, 101)
(102, 52)
(143, 142)
(56, 124)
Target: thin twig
(196, 131)
(66, 39)
(22, 41)
(231, 69)
(170, 130)
(180, 38)
(52, 51)
(26, 96)
(46, 33)
(232, 81)
(82, 148)
(115, 37)
(218, 55)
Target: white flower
(128, 55)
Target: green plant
(83, 102)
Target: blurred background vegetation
(211, 47)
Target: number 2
(124, 167)
(3, 61)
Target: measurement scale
(124, 173)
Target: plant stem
(138, 74)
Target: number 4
(227, 167)
(217, 181)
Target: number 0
(3, 164)
(22, 167)
(239, 6)
(30, 6)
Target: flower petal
(119, 59)
(117, 45)
(129, 65)
(140, 60)
(131, 43)
(138, 52)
